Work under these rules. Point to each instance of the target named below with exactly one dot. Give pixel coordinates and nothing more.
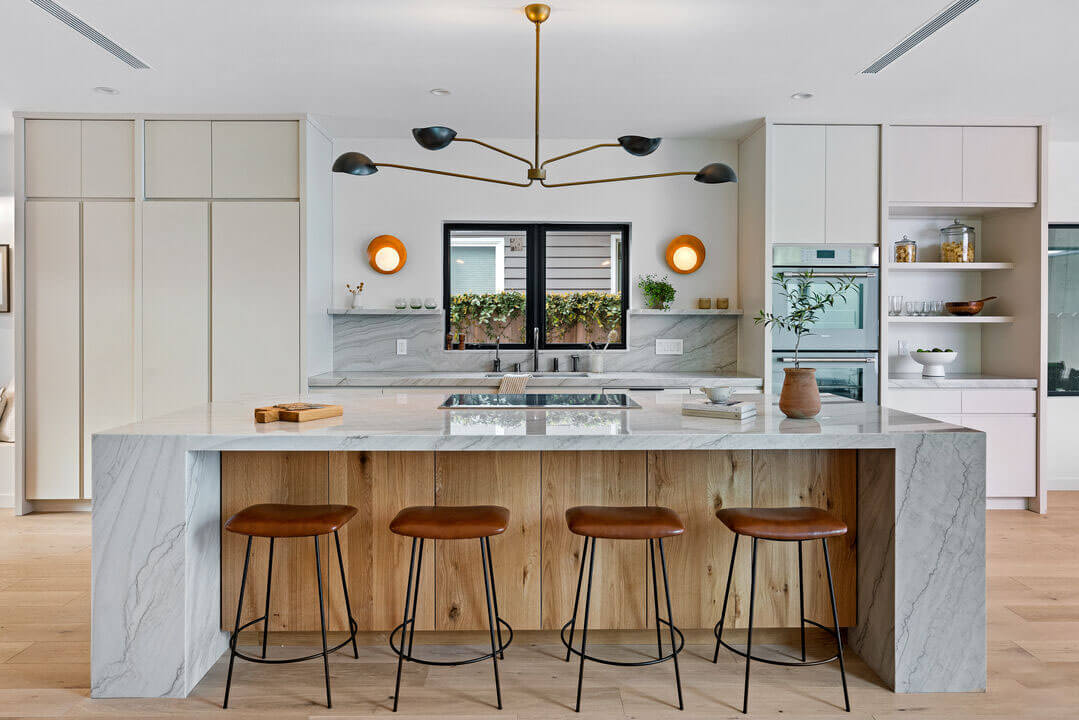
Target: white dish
(933, 362)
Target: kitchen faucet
(535, 349)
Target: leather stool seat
(288, 521)
(448, 522)
(796, 523)
(624, 523)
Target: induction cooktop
(540, 401)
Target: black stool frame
(494, 621)
(676, 647)
(265, 619)
(801, 608)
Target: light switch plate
(668, 347)
(402, 346)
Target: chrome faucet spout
(535, 349)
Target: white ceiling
(670, 68)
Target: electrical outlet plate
(402, 347)
(668, 347)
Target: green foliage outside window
(493, 313)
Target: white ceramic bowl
(933, 362)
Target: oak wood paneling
(510, 479)
(819, 478)
(695, 484)
(618, 586)
(248, 478)
(378, 485)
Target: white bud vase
(356, 304)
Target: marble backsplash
(369, 342)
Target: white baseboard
(7, 500)
(1006, 503)
(1063, 482)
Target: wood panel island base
(910, 574)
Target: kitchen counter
(660, 378)
(959, 381)
(917, 512)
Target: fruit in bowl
(933, 361)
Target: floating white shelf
(683, 311)
(382, 311)
(949, 267)
(952, 319)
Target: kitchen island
(910, 574)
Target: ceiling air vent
(67, 18)
(950, 13)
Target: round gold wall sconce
(685, 254)
(386, 254)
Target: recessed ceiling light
(439, 91)
(105, 90)
(801, 96)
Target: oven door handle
(866, 360)
(829, 274)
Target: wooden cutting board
(297, 412)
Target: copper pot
(972, 307)
(800, 397)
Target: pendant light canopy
(438, 137)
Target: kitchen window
(1063, 310)
(503, 280)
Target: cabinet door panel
(52, 350)
(923, 402)
(1014, 401)
(1010, 453)
(255, 298)
(925, 164)
(1000, 164)
(178, 159)
(798, 187)
(108, 158)
(53, 158)
(852, 195)
(175, 306)
(256, 159)
(108, 317)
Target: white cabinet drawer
(1010, 453)
(926, 402)
(1015, 401)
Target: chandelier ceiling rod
(438, 137)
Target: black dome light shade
(435, 137)
(714, 173)
(639, 145)
(354, 163)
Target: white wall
(7, 321)
(413, 206)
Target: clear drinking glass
(911, 308)
(937, 307)
(895, 304)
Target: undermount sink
(545, 374)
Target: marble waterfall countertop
(959, 381)
(656, 378)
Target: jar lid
(956, 228)
(905, 241)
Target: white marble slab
(959, 380)
(666, 379)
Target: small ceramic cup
(717, 393)
(723, 303)
(704, 303)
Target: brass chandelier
(438, 137)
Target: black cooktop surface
(541, 401)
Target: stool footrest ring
(785, 663)
(621, 663)
(399, 650)
(353, 629)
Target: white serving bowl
(933, 362)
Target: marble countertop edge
(467, 379)
(959, 381)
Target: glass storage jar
(957, 243)
(906, 250)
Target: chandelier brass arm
(576, 152)
(453, 174)
(617, 179)
(496, 149)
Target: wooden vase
(800, 397)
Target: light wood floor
(1033, 653)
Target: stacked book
(731, 410)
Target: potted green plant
(658, 292)
(806, 303)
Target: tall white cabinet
(162, 265)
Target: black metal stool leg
(801, 601)
(749, 631)
(835, 618)
(670, 623)
(494, 595)
(266, 622)
(415, 601)
(236, 632)
(322, 618)
(726, 594)
(404, 624)
(584, 629)
(491, 621)
(344, 588)
(577, 599)
(655, 598)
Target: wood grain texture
(618, 585)
(248, 478)
(378, 485)
(510, 479)
(818, 478)
(695, 484)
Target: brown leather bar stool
(290, 521)
(624, 523)
(796, 524)
(447, 522)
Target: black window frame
(1050, 392)
(536, 277)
